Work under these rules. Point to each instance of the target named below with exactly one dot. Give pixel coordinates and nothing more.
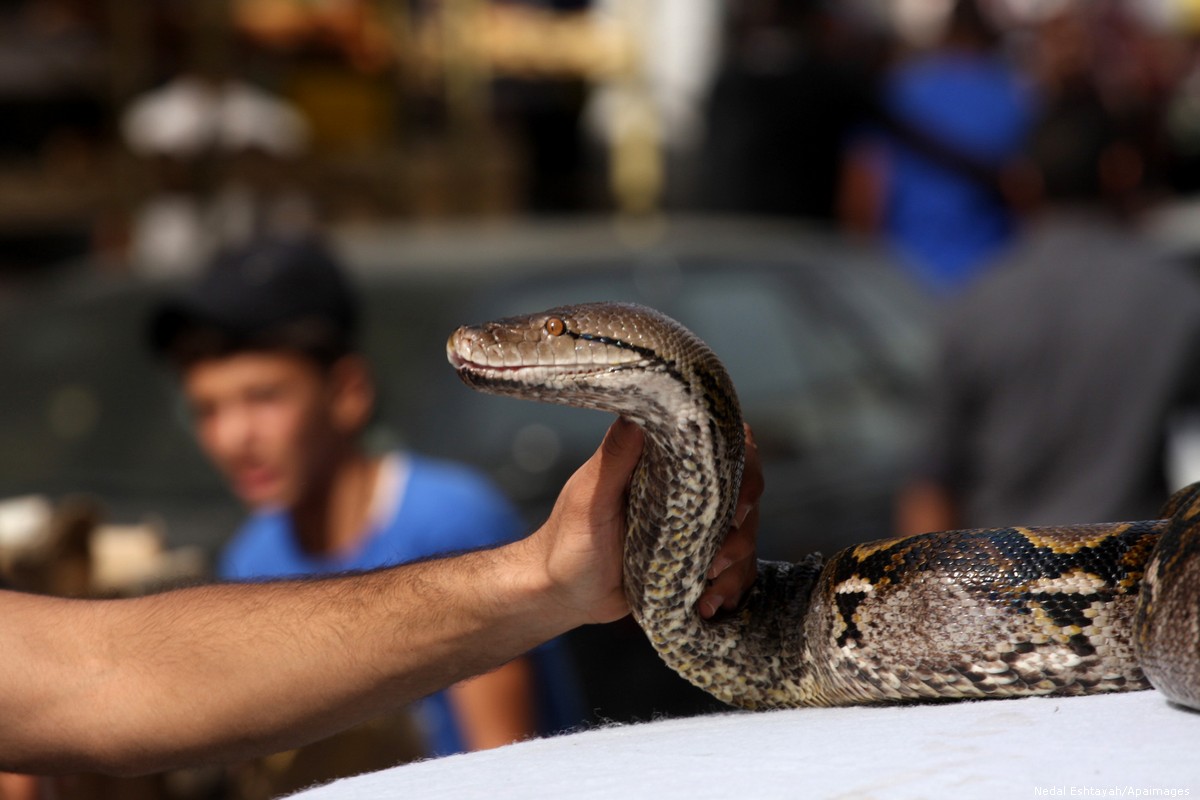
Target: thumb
(617, 456)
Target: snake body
(946, 615)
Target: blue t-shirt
(438, 508)
(944, 224)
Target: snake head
(610, 356)
(569, 343)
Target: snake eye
(555, 326)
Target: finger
(617, 456)
(752, 480)
(741, 539)
(734, 570)
(743, 548)
(735, 565)
(726, 591)
(622, 444)
(740, 544)
(710, 603)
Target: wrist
(528, 588)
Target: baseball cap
(249, 291)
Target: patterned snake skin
(960, 614)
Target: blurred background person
(944, 222)
(1068, 369)
(795, 82)
(264, 346)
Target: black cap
(257, 288)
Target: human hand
(735, 565)
(583, 537)
(581, 542)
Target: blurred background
(811, 186)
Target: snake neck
(681, 504)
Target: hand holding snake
(946, 615)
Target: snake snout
(453, 349)
(472, 350)
(466, 350)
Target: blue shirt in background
(426, 508)
(945, 224)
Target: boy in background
(264, 347)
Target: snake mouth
(473, 369)
(465, 365)
(460, 344)
(523, 376)
(461, 363)
(480, 374)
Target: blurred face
(270, 422)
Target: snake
(946, 615)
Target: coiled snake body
(960, 614)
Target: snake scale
(948, 615)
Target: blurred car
(827, 343)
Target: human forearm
(497, 708)
(227, 672)
(220, 672)
(925, 505)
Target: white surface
(1125, 745)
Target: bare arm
(223, 672)
(231, 671)
(219, 672)
(925, 506)
(497, 708)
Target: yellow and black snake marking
(954, 614)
